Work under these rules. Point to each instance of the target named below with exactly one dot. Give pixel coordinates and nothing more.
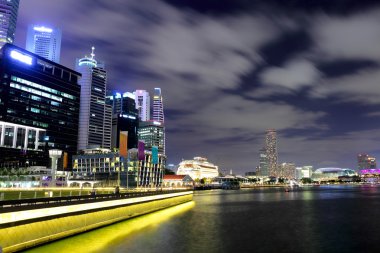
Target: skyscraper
(95, 116)
(125, 118)
(142, 100)
(44, 41)
(152, 134)
(263, 166)
(158, 107)
(8, 20)
(271, 149)
(39, 109)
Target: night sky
(229, 70)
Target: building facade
(271, 151)
(95, 116)
(152, 134)
(124, 119)
(39, 107)
(8, 20)
(366, 162)
(263, 163)
(287, 170)
(158, 107)
(44, 41)
(142, 100)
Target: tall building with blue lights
(8, 20)
(39, 109)
(44, 41)
(95, 115)
(125, 118)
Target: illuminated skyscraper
(8, 20)
(44, 41)
(366, 162)
(95, 115)
(125, 118)
(263, 167)
(142, 100)
(158, 107)
(271, 149)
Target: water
(315, 219)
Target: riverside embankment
(25, 224)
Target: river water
(314, 219)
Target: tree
(169, 172)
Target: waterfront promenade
(324, 219)
(29, 222)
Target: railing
(35, 203)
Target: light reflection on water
(331, 218)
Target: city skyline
(233, 70)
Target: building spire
(92, 52)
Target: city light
(43, 29)
(21, 57)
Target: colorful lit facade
(44, 41)
(39, 108)
(8, 20)
(271, 151)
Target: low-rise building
(177, 181)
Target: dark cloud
(343, 67)
(226, 7)
(285, 46)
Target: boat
(198, 168)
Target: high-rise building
(158, 107)
(39, 109)
(152, 134)
(125, 118)
(287, 170)
(366, 162)
(95, 115)
(44, 41)
(263, 163)
(142, 100)
(8, 20)
(271, 149)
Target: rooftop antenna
(92, 52)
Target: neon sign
(21, 57)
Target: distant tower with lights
(95, 115)
(8, 20)
(44, 41)
(158, 107)
(271, 151)
(142, 100)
